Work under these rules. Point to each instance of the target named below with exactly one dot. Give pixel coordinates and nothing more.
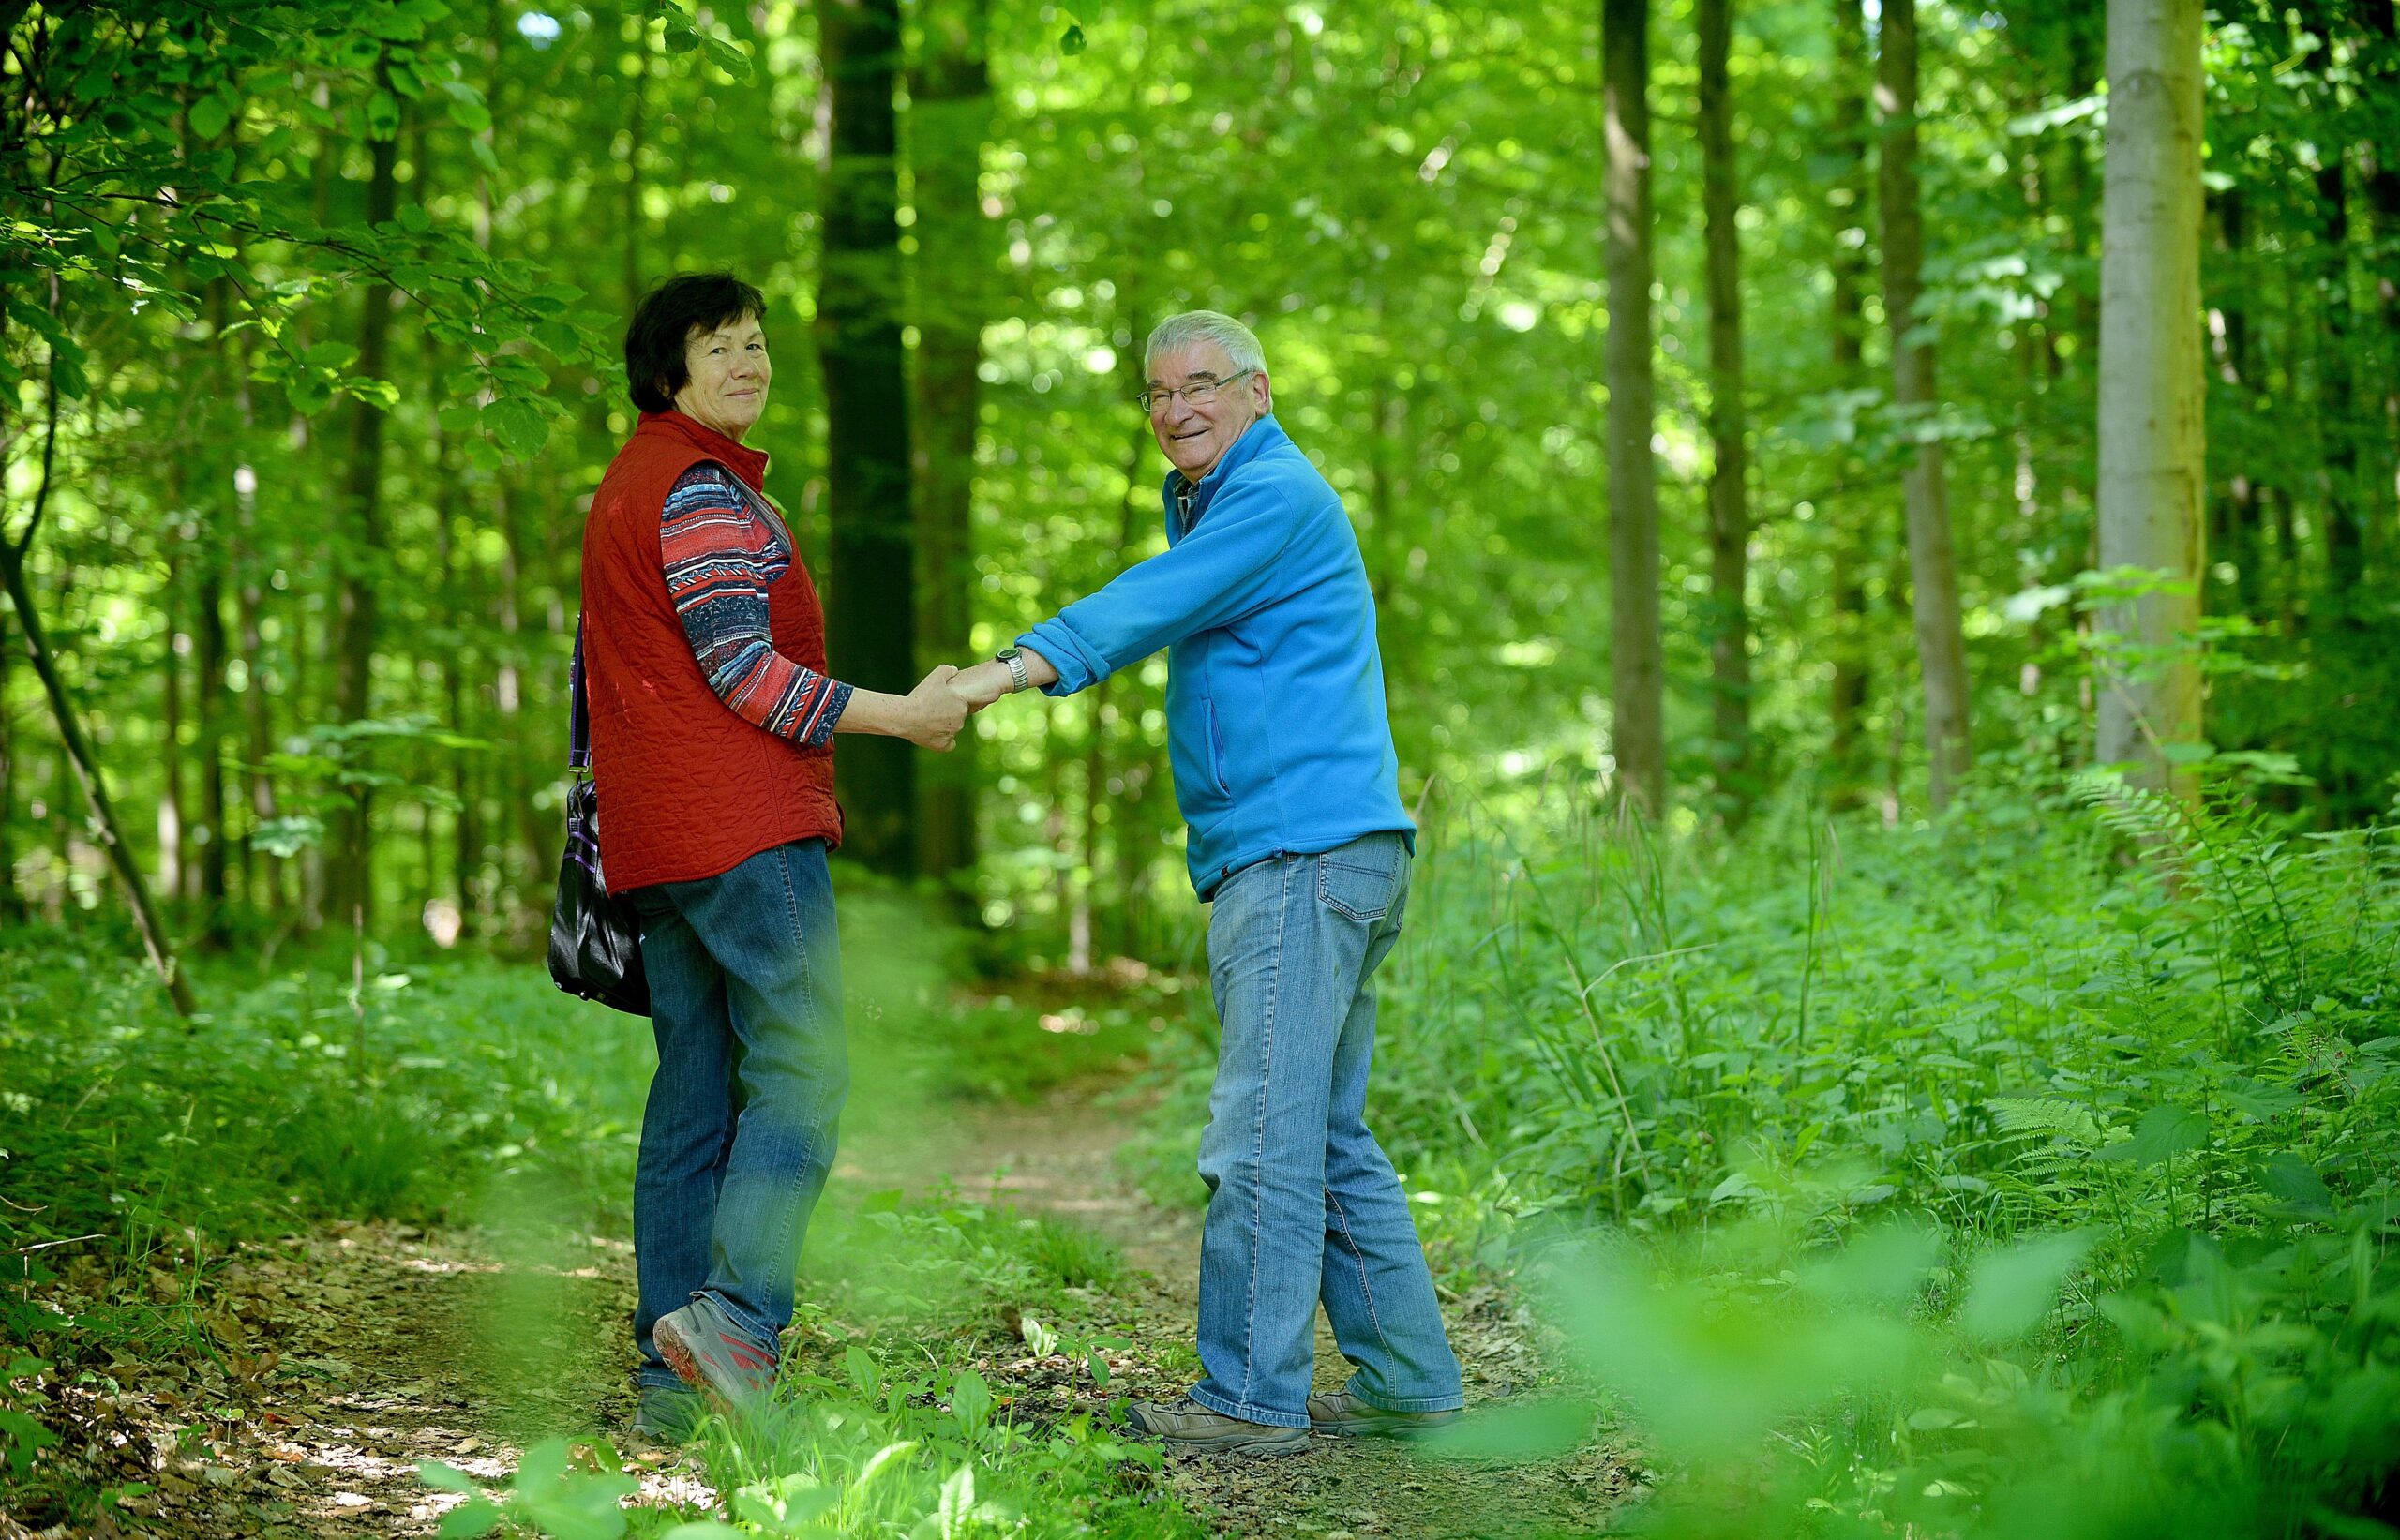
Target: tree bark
(1941, 641)
(360, 551)
(950, 116)
(78, 750)
(2152, 466)
(1852, 553)
(173, 879)
(2379, 84)
(871, 639)
(2235, 500)
(1637, 663)
(1729, 512)
(2337, 402)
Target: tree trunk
(208, 637)
(1852, 553)
(360, 551)
(2337, 407)
(2379, 83)
(12, 902)
(1637, 663)
(1941, 641)
(2153, 469)
(171, 878)
(950, 116)
(78, 750)
(871, 639)
(2236, 500)
(1729, 511)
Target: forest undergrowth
(2027, 1175)
(2030, 1173)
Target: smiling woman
(713, 713)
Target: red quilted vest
(687, 789)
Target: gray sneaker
(1342, 1414)
(708, 1349)
(1191, 1429)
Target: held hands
(936, 710)
(983, 684)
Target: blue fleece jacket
(1276, 727)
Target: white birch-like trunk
(2153, 472)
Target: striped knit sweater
(722, 547)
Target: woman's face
(730, 373)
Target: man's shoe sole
(669, 1335)
(1380, 1428)
(1247, 1446)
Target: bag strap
(579, 729)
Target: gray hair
(1179, 331)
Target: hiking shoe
(1342, 1414)
(706, 1347)
(667, 1414)
(1191, 1429)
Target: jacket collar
(747, 463)
(1256, 440)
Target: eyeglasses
(1197, 394)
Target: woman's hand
(936, 711)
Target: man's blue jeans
(1302, 1204)
(745, 989)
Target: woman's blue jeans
(1303, 1206)
(745, 988)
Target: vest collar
(673, 427)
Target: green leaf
(449, 1478)
(415, 219)
(470, 1519)
(727, 56)
(1070, 42)
(970, 1397)
(861, 1366)
(2009, 1291)
(2294, 1181)
(680, 37)
(382, 117)
(2165, 1131)
(518, 425)
(210, 116)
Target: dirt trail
(358, 1352)
(1060, 1157)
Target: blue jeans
(1302, 1204)
(745, 988)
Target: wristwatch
(1017, 668)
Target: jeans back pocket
(1362, 878)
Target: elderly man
(1285, 769)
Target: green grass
(2031, 1173)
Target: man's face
(730, 374)
(1195, 437)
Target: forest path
(367, 1348)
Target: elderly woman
(712, 719)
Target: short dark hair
(662, 327)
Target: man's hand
(983, 684)
(936, 709)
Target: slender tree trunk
(871, 632)
(1852, 552)
(1637, 663)
(2236, 500)
(171, 876)
(2153, 464)
(1729, 509)
(2379, 83)
(2337, 395)
(1940, 640)
(361, 550)
(12, 902)
(950, 117)
(77, 748)
(263, 871)
(208, 638)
